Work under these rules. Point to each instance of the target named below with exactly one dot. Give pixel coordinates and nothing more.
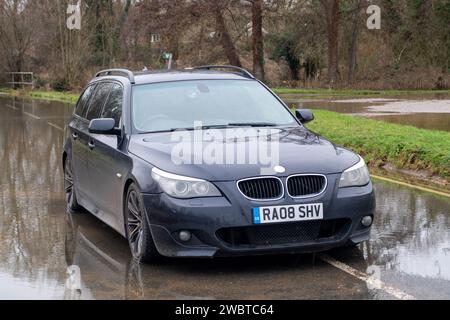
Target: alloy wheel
(68, 182)
(135, 223)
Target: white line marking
(55, 126)
(11, 107)
(31, 115)
(375, 283)
(36, 117)
(445, 194)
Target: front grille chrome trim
(258, 178)
(309, 195)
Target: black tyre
(351, 245)
(69, 187)
(137, 229)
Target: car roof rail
(242, 71)
(121, 72)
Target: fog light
(185, 236)
(367, 221)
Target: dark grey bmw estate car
(123, 162)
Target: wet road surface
(427, 112)
(408, 256)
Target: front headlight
(356, 176)
(184, 187)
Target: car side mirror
(103, 126)
(304, 115)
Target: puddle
(432, 121)
(404, 107)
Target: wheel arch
(127, 185)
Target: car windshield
(207, 103)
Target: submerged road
(408, 256)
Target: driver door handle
(91, 145)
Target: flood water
(427, 112)
(39, 241)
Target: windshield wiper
(163, 131)
(237, 125)
(188, 129)
(253, 124)
(218, 126)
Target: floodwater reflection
(417, 243)
(410, 245)
(39, 241)
(108, 271)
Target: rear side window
(98, 100)
(113, 107)
(83, 103)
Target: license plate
(278, 214)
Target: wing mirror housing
(104, 126)
(304, 115)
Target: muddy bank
(421, 178)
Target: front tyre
(137, 229)
(69, 187)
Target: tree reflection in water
(411, 233)
(30, 195)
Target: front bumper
(207, 218)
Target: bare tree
(16, 21)
(72, 47)
(228, 46)
(332, 12)
(355, 19)
(258, 39)
(307, 34)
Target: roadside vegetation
(71, 97)
(54, 95)
(382, 143)
(302, 43)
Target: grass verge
(71, 97)
(381, 143)
(53, 95)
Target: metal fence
(19, 79)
